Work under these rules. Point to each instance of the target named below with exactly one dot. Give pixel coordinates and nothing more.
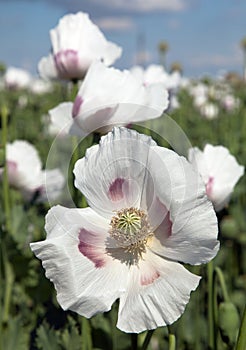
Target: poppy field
(123, 206)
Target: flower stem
(171, 339)
(210, 270)
(9, 280)
(241, 340)
(134, 341)
(86, 334)
(147, 339)
(221, 278)
(6, 197)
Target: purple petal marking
(12, 166)
(163, 222)
(209, 186)
(67, 64)
(115, 192)
(147, 279)
(90, 250)
(76, 105)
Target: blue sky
(203, 35)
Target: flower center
(131, 229)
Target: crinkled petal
(82, 285)
(157, 293)
(194, 229)
(112, 175)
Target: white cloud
(115, 23)
(145, 5)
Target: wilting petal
(81, 285)
(112, 175)
(157, 293)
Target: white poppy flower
(209, 110)
(17, 78)
(76, 43)
(25, 173)
(155, 73)
(108, 97)
(148, 212)
(219, 170)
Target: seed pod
(228, 322)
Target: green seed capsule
(228, 322)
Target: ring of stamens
(131, 229)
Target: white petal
(112, 175)
(77, 32)
(61, 117)
(157, 294)
(194, 229)
(46, 68)
(114, 97)
(28, 165)
(53, 183)
(81, 286)
(219, 170)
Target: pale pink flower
(148, 212)
(109, 97)
(219, 170)
(76, 43)
(25, 173)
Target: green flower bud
(228, 322)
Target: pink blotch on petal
(149, 278)
(67, 64)
(165, 227)
(209, 186)
(76, 105)
(115, 192)
(12, 166)
(91, 251)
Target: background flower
(109, 97)
(25, 172)
(219, 170)
(76, 43)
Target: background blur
(204, 36)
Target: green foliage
(15, 335)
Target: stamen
(131, 229)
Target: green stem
(171, 340)
(6, 197)
(221, 278)
(241, 340)
(86, 334)
(9, 281)
(210, 271)
(134, 341)
(147, 339)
